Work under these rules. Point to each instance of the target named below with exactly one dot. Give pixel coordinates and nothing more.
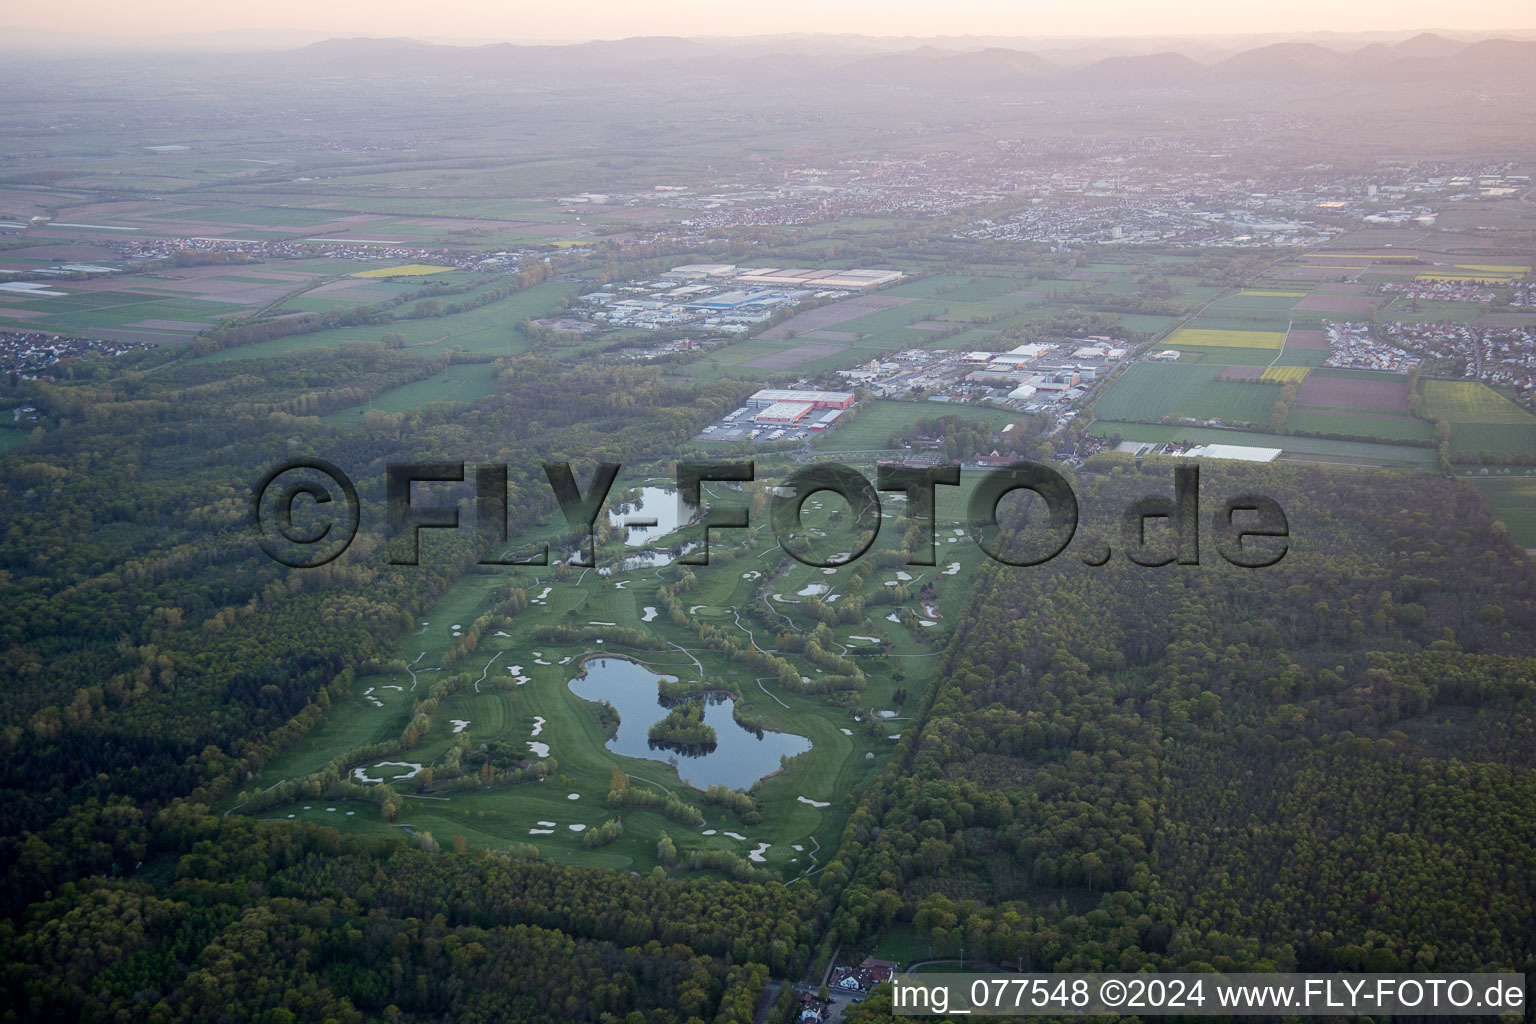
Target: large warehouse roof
(771, 395)
(784, 412)
(1241, 453)
(799, 276)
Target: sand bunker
(361, 774)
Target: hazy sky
(613, 19)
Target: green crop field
(1481, 419)
(1143, 323)
(1150, 391)
(489, 330)
(1294, 355)
(1513, 499)
(1431, 312)
(976, 338)
(953, 288)
(1223, 356)
(461, 382)
(1472, 440)
(1388, 429)
(730, 360)
(1319, 449)
(1251, 304)
(255, 215)
(123, 309)
(872, 426)
(896, 316)
(1471, 402)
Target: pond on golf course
(739, 759)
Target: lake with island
(740, 757)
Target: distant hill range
(1426, 57)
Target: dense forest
(154, 658)
(1321, 765)
(1325, 764)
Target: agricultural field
(1260, 305)
(407, 270)
(489, 330)
(1223, 332)
(1513, 499)
(1301, 449)
(1471, 402)
(1480, 272)
(1144, 324)
(1387, 428)
(1357, 403)
(1482, 420)
(1294, 355)
(461, 382)
(1227, 344)
(280, 216)
(1148, 392)
(874, 424)
(123, 309)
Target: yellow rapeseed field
(409, 270)
(1202, 338)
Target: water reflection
(740, 756)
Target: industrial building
(814, 399)
(799, 277)
(739, 300)
(699, 271)
(1030, 352)
(827, 419)
(784, 412)
(1240, 453)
